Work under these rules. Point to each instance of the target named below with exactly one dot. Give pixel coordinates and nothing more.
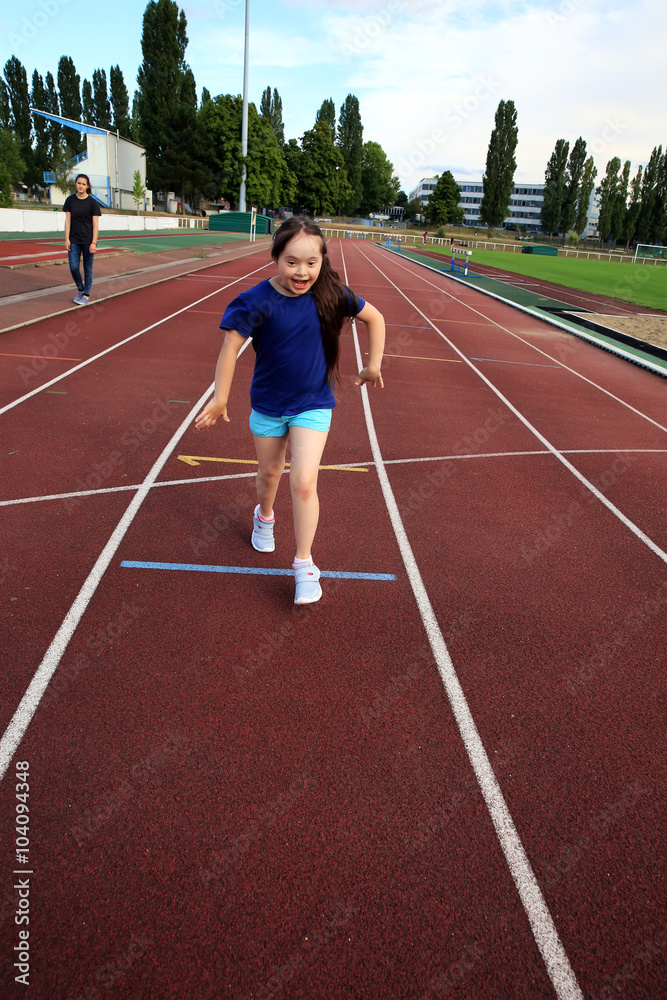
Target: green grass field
(642, 284)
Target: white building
(526, 201)
(109, 160)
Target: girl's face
(299, 264)
(81, 186)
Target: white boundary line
(45, 292)
(101, 491)
(515, 305)
(533, 430)
(544, 317)
(540, 919)
(29, 703)
(96, 357)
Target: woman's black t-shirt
(82, 211)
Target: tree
(41, 150)
(379, 185)
(635, 206)
(575, 169)
(620, 204)
(87, 103)
(585, 191)
(138, 191)
(322, 179)
(608, 192)
(271, 109)
(555, 186)
(327, 114)
(414, 208)
(160, 86)
(648, 198)
(443, 205)
(101, 99)
(659, 215)
(20, 119)
(120, 105)
(12, 167)
(270, 183)
(69, 92)
(5, 110)
(500, 166)
(182, 158)
(350, 141)
(205, 97)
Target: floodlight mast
(244, 126)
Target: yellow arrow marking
(418, 357)
(196, 459)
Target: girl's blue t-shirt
(290, 368)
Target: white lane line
(127, 340)
(540, 437)
(530, 312)
(29, 703)
(101, 491)
(540, 919)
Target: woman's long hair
(330, 293)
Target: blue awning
(68, 123)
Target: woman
(82, 220)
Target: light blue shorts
(269, 427)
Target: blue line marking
(500, 361)
(252, 570)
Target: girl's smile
(299, 265)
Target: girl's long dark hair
(330, 293)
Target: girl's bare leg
(271, 459)
(306, 447)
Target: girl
(82, 220)
(295, 321)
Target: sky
(429, 74)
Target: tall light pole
(244, 126)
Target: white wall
(13, 220)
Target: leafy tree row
(634, 210)
(43, 144)
(629, 210)
(194, 148)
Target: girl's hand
(210, 415)
(366, 375)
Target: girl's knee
(303, 488)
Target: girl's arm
(224, 373)
(68, 222)
(96, 229)
(374, 321)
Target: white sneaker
(308, 589)
(262, 533)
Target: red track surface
(14, 253)
(232, 797)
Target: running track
(445, 784)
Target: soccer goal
(648, 251)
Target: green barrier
(239, 222)
(545, 251)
